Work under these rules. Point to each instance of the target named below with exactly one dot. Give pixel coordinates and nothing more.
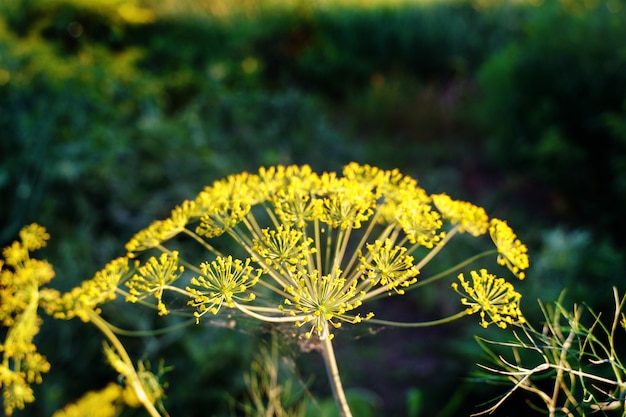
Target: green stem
(444, 320)
(133, 378)
(451, 270)
(333, 375)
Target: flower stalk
(332, 370)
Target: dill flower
(103, 403)
(81, 301)
(284, 249)
(323, 301)
(34, 236)
(16, 392)
(421, 224)
(470, 218)
(389, 265)
(153, 277)
(493, 297)
(20, 280)
(319, 245)
(222, 281)
(511, 252)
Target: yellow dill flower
(284, 249)
(222, 216)
(151, 237)
(397, 191)
(15, 254)
(296, 206)
(345, 203)
(420, 223)
(34, 236)
(389, 265)
(470, 218)
(493, 297)
(16, 392)
(84, 299)
(323, 300)
(313, 235)
(106, 402)
(226, 280)
(511, 252)
(153, 277)
(20, 279)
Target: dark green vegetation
(106, 124)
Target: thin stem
(202, 242)
(450, 270)
(270, 319)
(333, 375)
(444, 320)
(133, 378)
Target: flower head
(85, 299)
(102, 403)
(320, 245)
(389, 265)
(16, 392)
(421, 224)
(323, 301)
(153, 277)
(224, 280)
(21, 277)
(493, 297)
(284, 249)
(511, 252)
(470, 218)
(34, 237)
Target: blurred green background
(112, 112)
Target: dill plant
(312, 250)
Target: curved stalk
(444, 320)
(133, 378)
(451, 270)
(333, 375)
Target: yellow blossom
(511, 252)
(86, 298)
(493, 297)
(323, 300)
(153, 277)
(325, 242)
(20, 279)
(284, 249)
(389, 265)
(421, 224)
(15, 254)
(470, 218)
(16, 392)
(223, 280)
(34, 237)
(345, 204)
(106, 402)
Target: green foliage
(546, 97)
(572, 366)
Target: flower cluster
(84, 300)
(317, 246)
(493, 297)
(20, 280)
